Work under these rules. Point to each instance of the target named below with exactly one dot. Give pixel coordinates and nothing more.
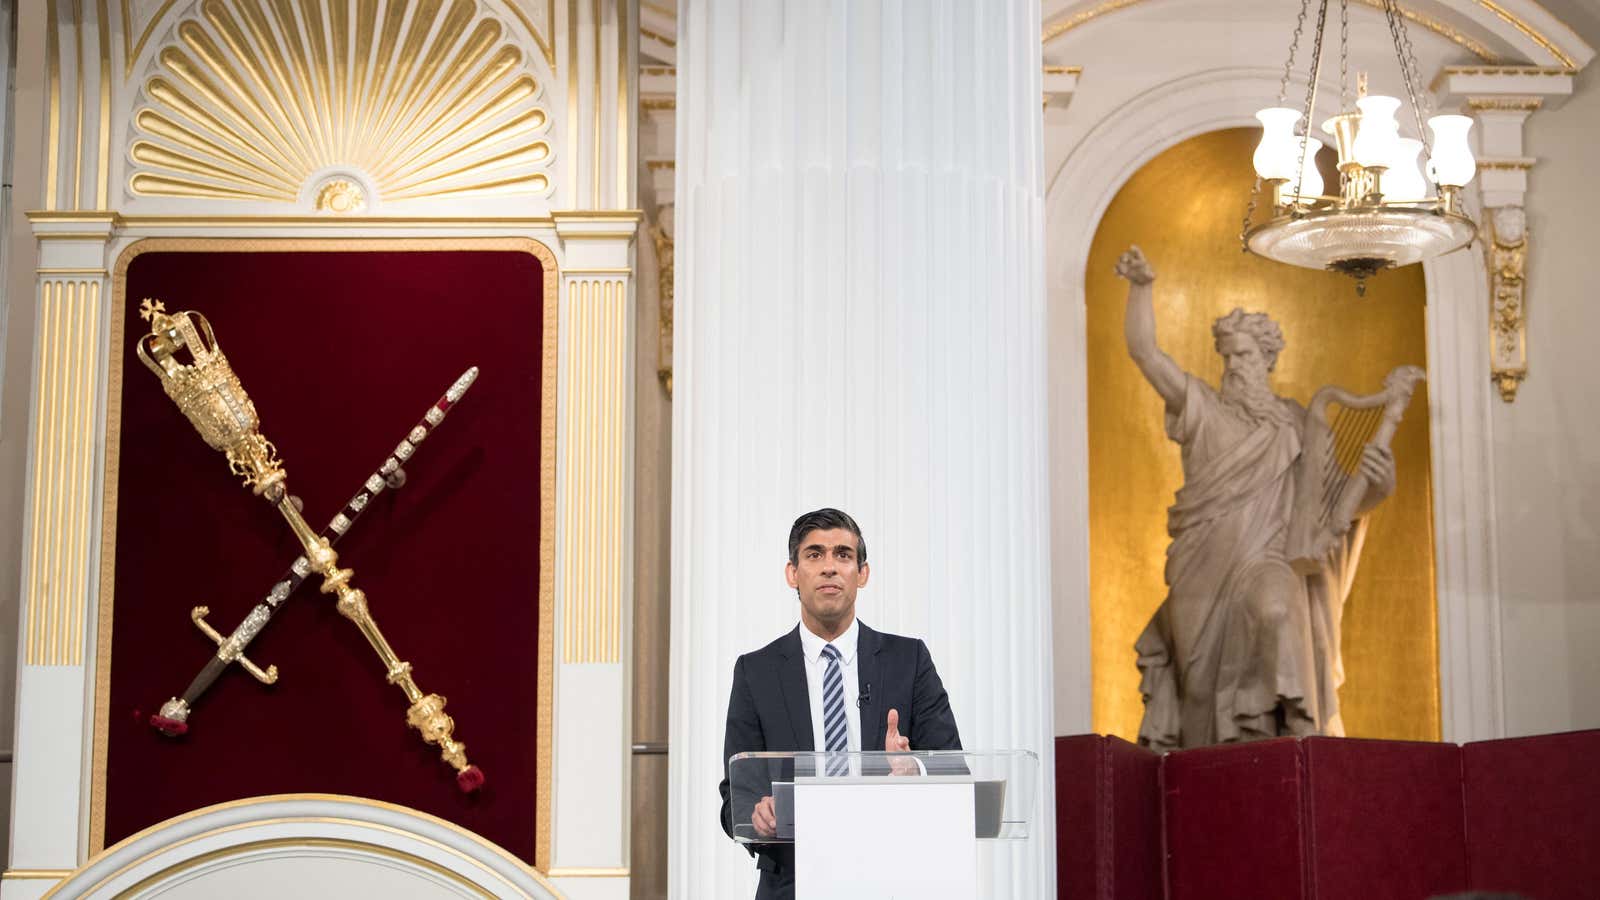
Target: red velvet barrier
(1384, 819)
(1234, 823)
(1108, 820)
(1533, 815)
(342, 353)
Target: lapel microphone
(865, 698)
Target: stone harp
(1329, 485)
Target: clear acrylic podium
(884, 824)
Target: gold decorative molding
(667, 71)
(1506, 104)
(1053, 30)
(36, 874)
(650, 103)
(546, 47)
(1063, 70)
(131, 46)
(1508, 317)
(435, 105)
(62, 471)
(544, 755)
(589, 872)
(1057, 28)
(1523, 165)
(657, 165)
(658, 36)
(1529, 31)
(594, 458)
(1454, 35)
(1508, 70)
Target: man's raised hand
(895, 742)
(1133, 266)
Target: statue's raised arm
(1139, 326)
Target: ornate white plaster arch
(270, 845)
(1459, 394)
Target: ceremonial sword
(173, 719)
(210, 396)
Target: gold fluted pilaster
(66, 379)
(594, 421)
(78, 45)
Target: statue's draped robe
(1242, 647)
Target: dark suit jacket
(770, 709)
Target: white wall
(1547, 443)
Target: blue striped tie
(833, 722)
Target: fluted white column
(860, 324)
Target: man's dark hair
(824, 519)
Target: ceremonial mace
(173, 719)
(211, 397)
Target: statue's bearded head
(1249, 344)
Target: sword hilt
(229, 649)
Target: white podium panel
(871, 836)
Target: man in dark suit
(830, 684)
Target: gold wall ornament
(212, 398)
(341, 196)
(661, 234)
(425, 100)
(1391, 620)
(1508, 318)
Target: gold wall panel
(593, 423)
(66, 393)
(252, 99)
(1183, 208)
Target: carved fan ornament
(269, 100)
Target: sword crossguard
(231, 649)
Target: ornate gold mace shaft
(210, 395)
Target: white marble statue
(1266, 532)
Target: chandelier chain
(1344, 55)
(1283, 97)
(1409, 69)
(1294, 47)
(1311, 93)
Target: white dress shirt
(816, 666)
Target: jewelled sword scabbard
(210, 395)
(173, 718)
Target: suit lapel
(796, 698)
(870, 687)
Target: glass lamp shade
(1307, 182)
(1345, 240)
(1375, 139)
(1275, 154)
(1403, 182)
(1452, 163)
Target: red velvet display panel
(1533, 815)
(1234, 824)
(342, 353)
(1385, 819)
(1108, 820)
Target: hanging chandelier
(1384, 214)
